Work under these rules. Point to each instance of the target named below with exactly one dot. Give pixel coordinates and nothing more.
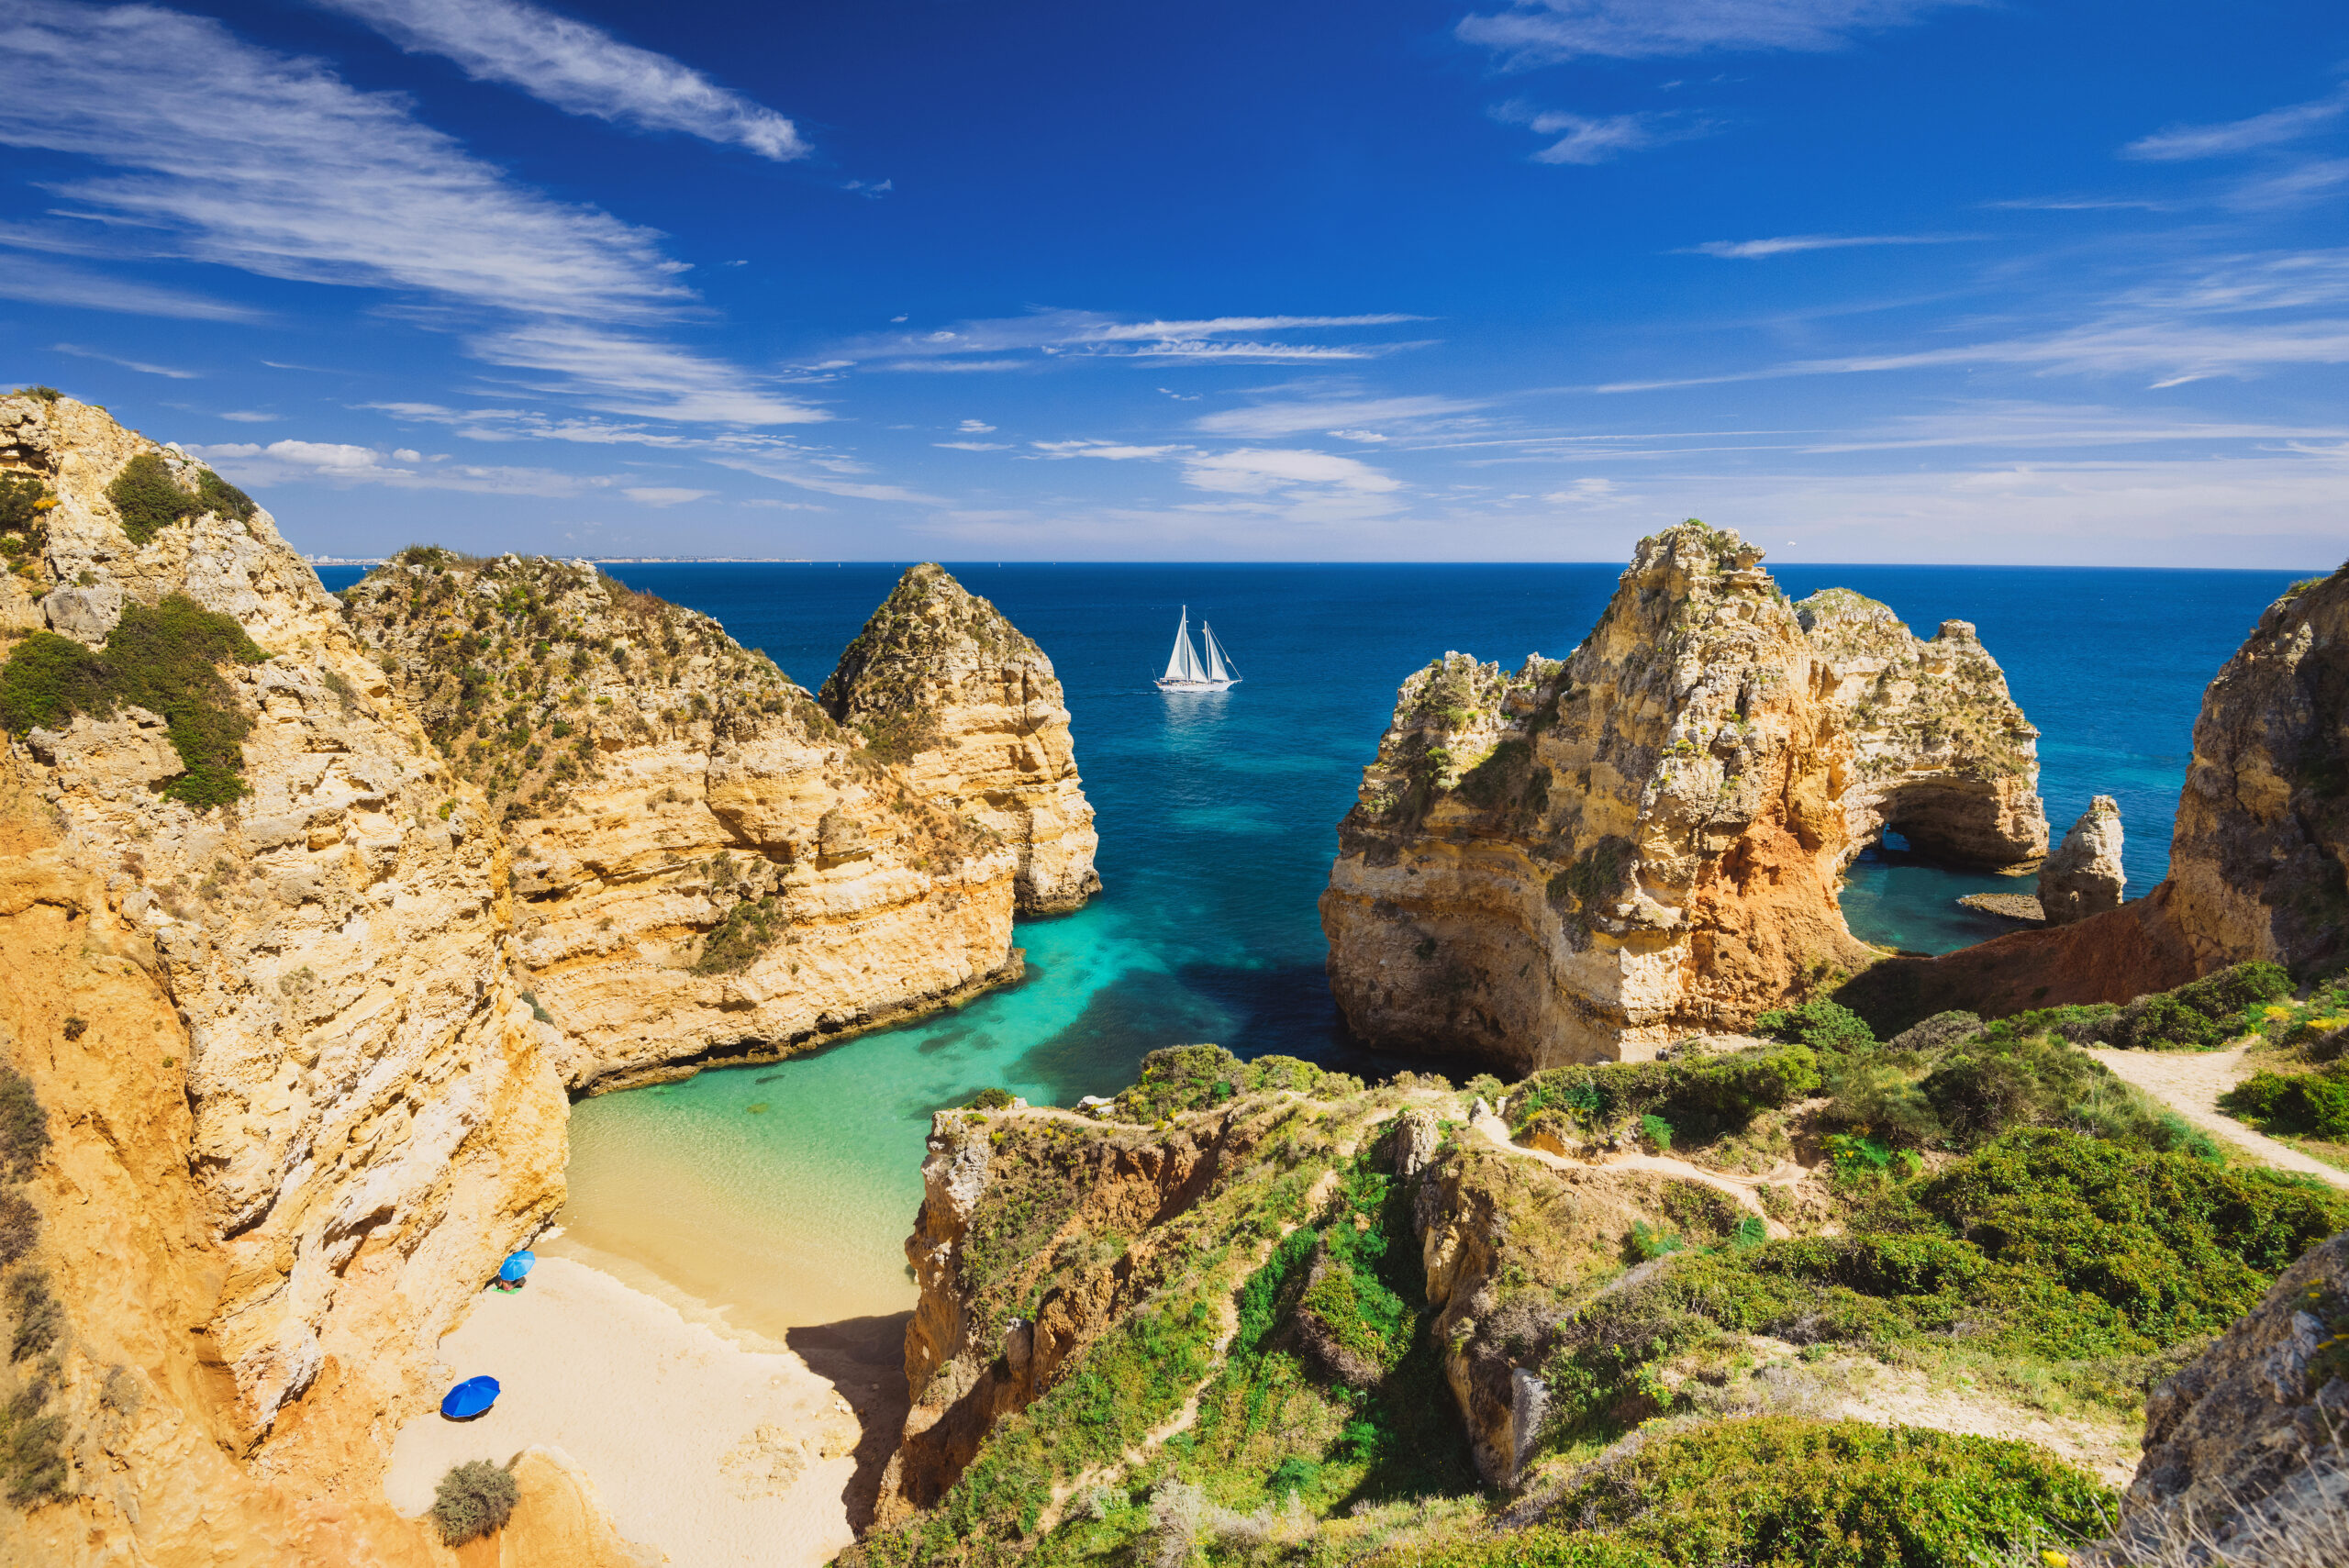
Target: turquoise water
(1218, 819)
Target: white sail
(1182, 664)
(1215, 671)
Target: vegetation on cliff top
(885, 687)
(165, 659)
(149, 497)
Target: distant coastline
(607, 559)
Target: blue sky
(1868, 279)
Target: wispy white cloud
(139, 365)
(787, 469)
(2291, 186)
(2233, 317)
(1589, 492)
(248, 416)
(2276, 126)
(975, 446)
(1791, 244)
(976, 428)
(236, 156)
(1598, 138)
(1253, 471)
(1045, 337)
(1112, 451)
(338, 463)
(577, 68)
(1364, 414)
(50, 283)
(1541, 32)
(664, 494)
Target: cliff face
(704, 863)
(2262, 838)
(1946, 759)
(940, 681)
(305, 1109)
(1587, 859)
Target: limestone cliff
(1587, 859)
(706, 866)
(2257, 857)
(940, 682)
(300, 1108)
(1946, 759)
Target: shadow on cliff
(864, 1358)
(2113, 957)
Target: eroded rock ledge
(1586, 859)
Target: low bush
(19, 1226)
(2045, 1244)
(1830, 1028)
(991, 1100)
(24, 1124)
(164, 658)
(32, 1445)
(2313, 1103)
(1832, 1494)
(749, 929)
(474, 1499)
(2201, 1015)
(34, 1308)
(1193, 1077)
(1698, 1099)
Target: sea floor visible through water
(781, 1196)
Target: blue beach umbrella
(469, 1398)
(517, 1265)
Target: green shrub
(1656, 1133)
(1193, 1077)
(34, 1308)
(1828, 1027)
(992, 1100)
(217, 495)
(474, 1499)
(21, 495)
(32, 1446)
(1778, 1490)
(2201, 1015)
(1700, 1099)
(749, 929)
(19, 1226)
(2313, 1104)
(166, 659)
(1647, 1243)
(24, 1124)
(148, 498)
(46, 393)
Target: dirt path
(2190, 1082)
(1495, 1132)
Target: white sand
(665, 1415)
(2190, 1082)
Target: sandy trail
(665, 1414)
(2190, 1082)
(1495, 1132)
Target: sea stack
(940, 684)
(2083, 877)
(1587, 859)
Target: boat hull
(1166, 686)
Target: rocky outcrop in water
(300, 1108)
(1587, 859)
(1946, 759)
(941, 684)
(706, 865)
(2084, 876)
(2257, 858)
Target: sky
(1980, 281)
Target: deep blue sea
(1218, 818)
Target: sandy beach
(713, 1447)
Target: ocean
(1218, 817)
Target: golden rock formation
(299, 1108)
(706, 866)
(1586, 859)
(940, 682)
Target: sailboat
(1183, 671)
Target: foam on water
(783, 1194)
